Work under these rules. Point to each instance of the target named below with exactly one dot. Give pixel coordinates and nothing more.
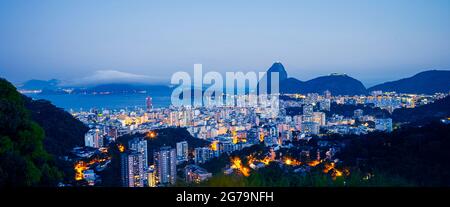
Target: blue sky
(373, 41)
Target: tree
(23, 160)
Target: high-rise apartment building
(166, 165)
(182, 151)
(132, 169)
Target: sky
(371, 40)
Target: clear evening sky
(373, 41)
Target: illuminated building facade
(196, 174)
(325, 105)
(383, 124)
(202, 154)
(140, 145)
(93, 138)
(308, 110)
(166, 165)
(182, 151)
(149, 103)
(132, 169)
(151, 177)
(310, 127)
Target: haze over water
(78, 102)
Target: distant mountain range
(40, 84)
(427, 82)
(337, 84)
(53, 87)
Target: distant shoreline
(83, 102)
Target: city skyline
(371, 41)
(224, 103)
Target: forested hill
(424, 114)
(23, 159)
(62, 131)
(417, 154)
(427, 82)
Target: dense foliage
(275, 176)
(23, 159)
(62, 131)
(417, 154)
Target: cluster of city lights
(121, 147)
(237, 164)
(328, 167)
(151, 135)
(82, 166)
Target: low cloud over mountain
(114, 76)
